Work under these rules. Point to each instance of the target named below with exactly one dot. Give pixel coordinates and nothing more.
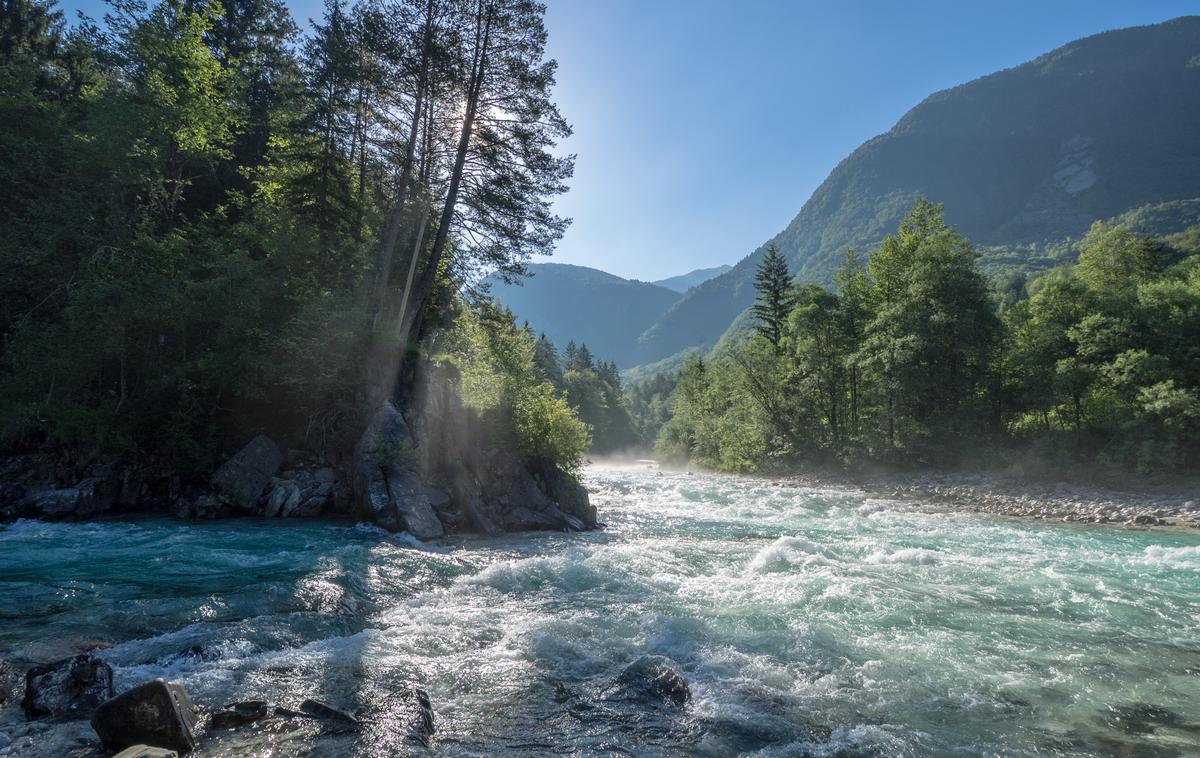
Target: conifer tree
(775, 296)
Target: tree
(503, 171)
(775, 296)
(1112, 258)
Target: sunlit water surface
(807, 622)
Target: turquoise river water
(806, 621)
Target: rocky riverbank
(430, 472)
(1174, 504)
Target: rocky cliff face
(436, 472)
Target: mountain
(588, 306)
(1022, 157)
(685, 282)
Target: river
(806, 621)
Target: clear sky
(702, 126)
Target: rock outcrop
(387, 487)
(436, 472)
(155, 713)
(70, 688)
(56, 489)
(242, 479)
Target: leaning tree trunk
(387, 254)
(410, 320)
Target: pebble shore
(1175, 505)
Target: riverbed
(806, 620)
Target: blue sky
(702, 126)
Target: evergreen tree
(545, 360)
(775, 296)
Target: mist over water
(806, 621)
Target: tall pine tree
(776, 298)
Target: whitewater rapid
(806, 621)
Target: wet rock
(305, 492)
(154, 713)
(239, 714)
(406, 713)
(1140, 718)
(11, 681)
(69, 688)
(243, 478)
(146, 751)
(386, 486)
(54, 503)
(284, 496)
(320, 710)
(652, 677)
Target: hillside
(1023, 157)
(587, 305)
(685, 282)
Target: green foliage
(195, 201)
(500, 380)
(775, 298)
(1025, 159)
(915, 359)
(593, 391)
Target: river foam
(815, 621)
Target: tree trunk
(410, 326)
(388, 253)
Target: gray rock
(70, 688)
(310, 506)
(572, 498)
(318, 709)
(413, 507)
(651, 677)
(404, 715)
(386, 485)
(12, 682)
(55, 503)
(243, 478)
(239, 714)
(154, 713)
(146, 751)
(284, 497)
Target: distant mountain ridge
(685, 282)
(568, 302)
(1030, 154)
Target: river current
(807, 621)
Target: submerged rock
(318, 709)
(69, 688)
(146, 751)
(239, 714)
(154, 713)
(405, 715)
(1140, 718)
(651, 677)
(243, 478)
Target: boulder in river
(652, 677)
(320, 710)
(243, 478)
(70, 688)
(155, 713)
(405, 715)
(146, 751)
(239, 714)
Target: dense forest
(217, 225)
(916, 358)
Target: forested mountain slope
(585, 305)
(1021, 157)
